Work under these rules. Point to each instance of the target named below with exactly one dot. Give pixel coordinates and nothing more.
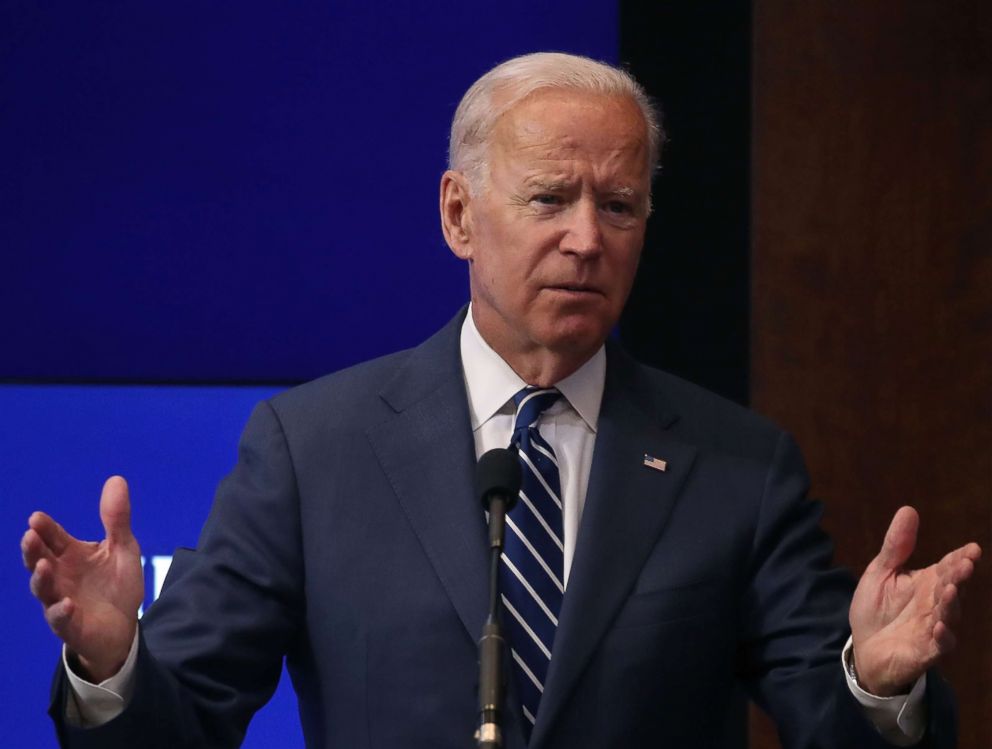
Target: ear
(455, 214)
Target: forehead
(558, 125)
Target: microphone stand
(492, 645)
(497, 480)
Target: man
(347, 537)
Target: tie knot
(531, 402)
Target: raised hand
(90, 591)
(901, 619)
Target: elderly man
(662, 558)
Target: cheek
(504, 261)
(497, 279)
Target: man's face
(554, 236)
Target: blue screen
(238, 190)
(59, 443)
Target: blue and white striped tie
(532, 569)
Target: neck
(542, 368)
(535, 364)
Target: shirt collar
(490, 382)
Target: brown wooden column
(872, 279)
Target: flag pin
(656, 463)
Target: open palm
(90, 591)
(901, 619)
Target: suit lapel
(426, 451)
(626, 507)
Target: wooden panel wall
(872, 279)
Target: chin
(575, 337)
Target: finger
(33, 549)
(115, 511)
(961, 572)
(51, 533)
(59, 616)
(43, 585)
(944, 638)
(955, 568)
(900, 539)
(944, 599)
(951, 614)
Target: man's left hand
(901, 620)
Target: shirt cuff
(91, 705)
(901, 719)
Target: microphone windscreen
(498, 472)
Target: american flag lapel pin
(656, 463)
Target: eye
(619, 207)
(546, 199)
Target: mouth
(574, 289)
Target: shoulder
(328, 416)
(353, 385)
(371, 392)
(705, 419)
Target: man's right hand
(90, 591)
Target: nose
(583, 232)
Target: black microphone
(497, 485)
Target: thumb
(900, 539)
(115, 511)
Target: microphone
(497, 485)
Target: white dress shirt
(569, 426)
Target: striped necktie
(531, 574)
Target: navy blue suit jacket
(348, 539)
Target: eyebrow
(559, 185)
(553, 185)
(622, 192)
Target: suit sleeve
(795, 615)
(211, 647)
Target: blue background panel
(238, 190)
(58, 445)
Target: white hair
(503, 87)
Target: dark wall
(822, 246)
(871, 269)
(688, 312)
